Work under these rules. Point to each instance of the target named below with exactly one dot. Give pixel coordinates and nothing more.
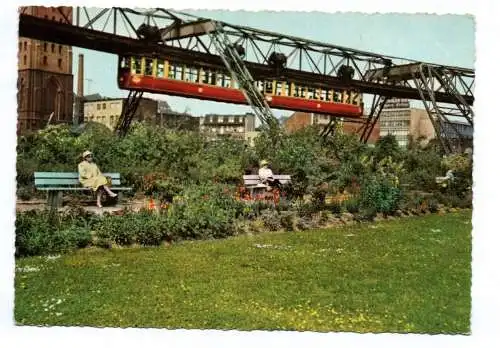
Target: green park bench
(252, 182)
(55, 183)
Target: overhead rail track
(258, 54)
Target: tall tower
(45, 76)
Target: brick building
(45, 76)
(299, 120)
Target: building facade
(236, 126)
(107, 111)
(299, 120)
(175, 120)
(405, 123)
(45, 76)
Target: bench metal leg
(54, 199)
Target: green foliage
(42, 232)
(380, 195)
(352, 205)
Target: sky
(441, 39)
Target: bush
(352, 205)
(42, 233)
(379, 195)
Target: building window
(44, 60)
(46, 17)
(53, 48)
(25, 59)
(60, 49)
(20, 46)
(59, 62)
(53, 18)
(25, 45)
(98, 106)
(45, 47)
(104, 106)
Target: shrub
(380, 195)
(42, 233)
(352, 205)
(272, 220)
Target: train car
(168, 77)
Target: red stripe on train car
(231, 95)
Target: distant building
(45, 76)
(236, 126)
(299, 120)
(405, 123)
(107, 111)
(166, 117)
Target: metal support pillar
(128, 111)
(240, 73)
(437, 115)
(377, 107)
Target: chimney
(80, 75)
(78, 114)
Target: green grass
(409, 275)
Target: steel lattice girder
(308, 61)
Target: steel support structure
(240, 73)
(188, 38)
(130, 106)
(375, 111)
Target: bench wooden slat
(256, 177)
(253, 181)
(61, 182)
(68, 175)
(66, 188)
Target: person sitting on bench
(266, 175)
(90, 176)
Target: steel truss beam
(128, 111)
(93, 35)
(425, 79)
(188, 38)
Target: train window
(125, 62)
(148, 67)
(323, 95)
(178, 72)
(268, 87)
(213, 78)
(347, 97)
(219, 78)
(135, 67)
(328, 95)
(171, 71)
(278, 88)
(160, 70)
(354, 98)
(336, 96)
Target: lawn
(408, 275)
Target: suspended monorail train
(164, 76)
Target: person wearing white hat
(90, 176)
(266, 175)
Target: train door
(124, 65)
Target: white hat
(86, 153)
